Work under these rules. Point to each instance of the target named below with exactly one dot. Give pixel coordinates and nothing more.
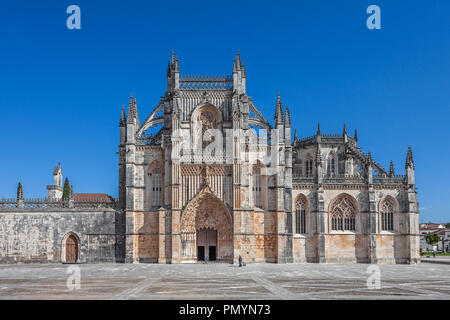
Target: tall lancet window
(256, 186)
(387, 216)
(309, 168)
(156, 187)
(300, 216)
(331, 166)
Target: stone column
(413, 238)
(372, 227)
(165, 236)
(321, 220)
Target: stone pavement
(225, 281)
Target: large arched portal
(206, 228)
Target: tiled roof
(92, 197)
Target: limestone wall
(37, 237)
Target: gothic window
(256, 186)
(300, 216)
(308, 167)
(343, 215)
(387, 215)
(228, 190)
(331, 166)
(298, 168)
(157, 187)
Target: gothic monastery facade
(207, 176)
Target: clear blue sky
(61, 90)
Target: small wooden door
(71, 249)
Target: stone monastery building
(206, 175)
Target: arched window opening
(256, 186)
(157, 187)
(331, 166)
(387, 216)
(343, 215)
(309, 168)
(300, 216)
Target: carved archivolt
(206, 211)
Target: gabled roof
(94, 197)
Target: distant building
(436, 228)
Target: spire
(295, 136)
(318, 129)
(356, 136)
(130, 113)
(237, 64)
(345, 130)
(369, 157)
(20, 192)
(123, 119)
(391, 169)
(135, 111)
(173, 57)
(409, 159)
(278, 111)
(238, 59)
(177, 65)
(287, 118)
(244, 73)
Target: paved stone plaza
(225, 281)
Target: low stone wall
(38, 236)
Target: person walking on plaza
(240, 261)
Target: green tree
(66, 190)
(447, 224)
(19, 192)
(432, 238)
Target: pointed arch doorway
(206, 244)
(70, 248)
(206, 228)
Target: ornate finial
(391, 169)
(287, 118)
(409, 159)
(177, 65)
(123, 119)
(278, 111)
(345, 130)
(369, 157)
(318, 129)
(356, 136)
(295, 136)
(173, 56)
(206, 96)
